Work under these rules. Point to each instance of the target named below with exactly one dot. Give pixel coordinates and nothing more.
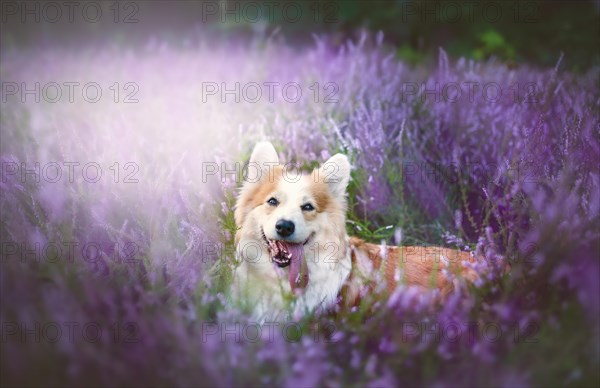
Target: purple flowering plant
(126, 283)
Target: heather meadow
(119, 174)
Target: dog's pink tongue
(298, 269)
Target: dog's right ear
(263, 159)
(264, 152)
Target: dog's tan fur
(409, 265)
(355, 266)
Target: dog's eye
(273, 202)
(307, 207)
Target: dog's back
(424, 267)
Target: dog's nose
(284, 228)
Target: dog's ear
(264, 155)
(335, 172)
(263, 159)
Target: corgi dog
(293, 249)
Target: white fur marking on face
(291, 196)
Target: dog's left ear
(335, 172)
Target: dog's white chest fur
(262, 287)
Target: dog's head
(287, 217)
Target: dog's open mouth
(284, 253)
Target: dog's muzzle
(285, 253)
